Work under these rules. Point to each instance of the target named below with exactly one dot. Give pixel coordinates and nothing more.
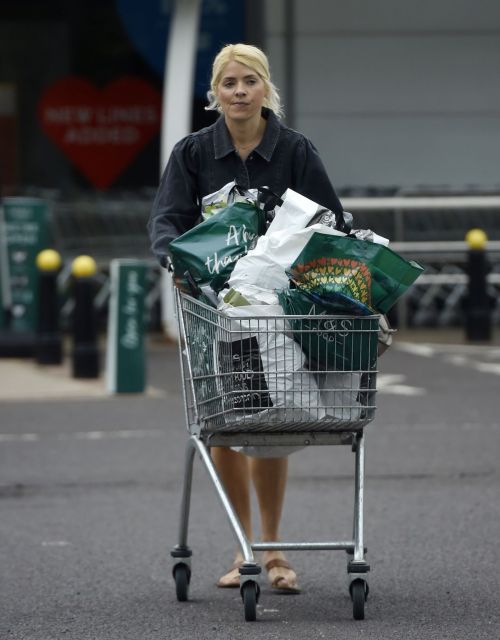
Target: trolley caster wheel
(182, 577)
(359, 593)
(250, 595)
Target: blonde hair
(251, 57)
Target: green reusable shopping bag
(365, 271)
(209, 250)
(332, 341)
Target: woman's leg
(269, 476)
(233, 470)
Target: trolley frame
(223, 425)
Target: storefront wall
(393, 92)
(81, 88)
(32, 55)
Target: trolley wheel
(182, 577)
(359, 591)
(250, 595)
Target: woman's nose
(240, 89)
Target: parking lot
(89, 499)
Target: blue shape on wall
(147, 23)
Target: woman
(250, 145)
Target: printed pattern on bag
(331, 344)
(239, 237)
(337, 274)
(209, 251)
(246, 382)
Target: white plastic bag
(230, 193)
(370, 236)
(296, 212)
(264, 266)
(247, 294)
(263, 370)
(339, 391)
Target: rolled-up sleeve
(176, 207)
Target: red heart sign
(100, 131)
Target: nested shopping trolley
(268, 382)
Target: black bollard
(48, 344)
(85, 354)
(478, 303)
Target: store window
(81, 89)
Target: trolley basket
(259, 380)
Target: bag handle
(267, 199)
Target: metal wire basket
(276, 373)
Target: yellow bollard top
(48, 260)
(476, 238)
(83, 267)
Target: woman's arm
(311, 178)
(176, 208)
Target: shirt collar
(223, 145)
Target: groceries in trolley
(264, 363)
(209, 251)
(233, 219)
(365, 271)
(299, 294)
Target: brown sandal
(277, 583)
(234, 582)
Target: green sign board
(125, 366)
(24, 233)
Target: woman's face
(240, 92)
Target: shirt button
(250, 157)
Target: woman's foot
(280, 574)
(231, 579)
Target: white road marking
(487, 367)
(394, 383)
(404, 390)
(385, 379)
(19, 437)
(118, 434)
(460, 361)
(430, 349)
(460, 355)
(83, 435)
(425, 350)
(55, 543)
(482, 367)
(483, 349)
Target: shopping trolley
(274, 381)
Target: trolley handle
(204, 291)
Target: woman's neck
(246, 135)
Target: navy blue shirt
(206, 160)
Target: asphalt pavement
(89, 505)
